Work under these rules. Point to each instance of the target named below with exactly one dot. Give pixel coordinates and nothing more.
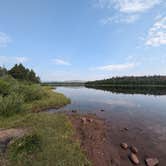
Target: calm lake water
(145, 115)
(148, 110)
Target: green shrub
(8, 85)
(4, 88)
(32, 92)
(11, 104)
(28, 144)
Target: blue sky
(85, 39)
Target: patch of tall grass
(32, 92)
(16, 96)
(11, 104)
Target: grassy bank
(22, 96)
(49, 137)
(49, 142)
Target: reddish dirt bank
(92, 133)
(101, 142)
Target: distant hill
(65, 83)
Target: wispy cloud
(4, 39)
(61, 62)
(135, 6)
(128, 6)
(120, 19)
(128, 11)
(157, 33)
(116, 67)
(7, 60)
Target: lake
(144, 115)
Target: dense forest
(21, 73)
(130, 81)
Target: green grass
(49, 142)
(20, 96)
(50, 100)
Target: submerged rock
(74, 111)
(126, 129)
(152, 161)
(124, 146)
(134, 158)
(102, 110)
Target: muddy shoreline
(101, 141)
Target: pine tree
(22, 73)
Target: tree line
(18, 71)
(130, 80)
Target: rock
(74, 111)
(134, 158)
(7, 135)
(90, 120)
(134, 149)
(152, 161)
(126, 128)
(102, 110)
(84, 120)
(124, 146)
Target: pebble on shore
(134, 158)
(84, 120)
(124, 146)
(152, 161)
(134, 149)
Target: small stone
(152, 161)
(84, 120)
(124, 146)
(133, 157)
(104, 139)
(74, 111)
(126, 128)
(90, 120)
(134, 149)
(102, 110)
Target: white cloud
(116, 67)
(7, 60)
(61, 62)
(21, 59)
(128, 6)
(157, 33)
(135, 6)
(128, 10)
(4, 39)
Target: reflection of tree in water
(146, 90)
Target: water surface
(149, 110)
